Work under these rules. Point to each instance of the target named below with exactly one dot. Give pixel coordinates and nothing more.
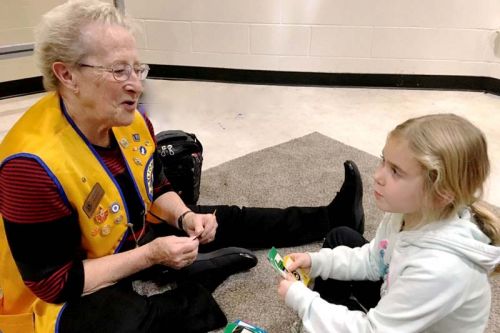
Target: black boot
(347, 206)
(212, 268)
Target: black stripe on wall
(446, 82)
(31, 85)
(167, 72)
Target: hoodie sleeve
(344, 263)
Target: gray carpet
(305, 171)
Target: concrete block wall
(447, 37)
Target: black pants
(265, 227)
(118, 308)
(190, 308)
(356, 295)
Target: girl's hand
(299, 260)
(285, 284)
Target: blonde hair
(59, 38)
(454, 156)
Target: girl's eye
(395, 172)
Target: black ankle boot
(347, 206)
(212, 268)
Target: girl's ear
(445, 199)
(65, 75)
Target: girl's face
(399, 181)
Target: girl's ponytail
(489, 223)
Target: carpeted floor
(306, 171)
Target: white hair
(59, 35)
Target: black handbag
(181, 154)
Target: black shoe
(347, 206)
(212, 268)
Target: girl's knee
(343, 236)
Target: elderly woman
(80, 185)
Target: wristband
(180, 220)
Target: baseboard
(409, 81)
(28, 86)
(416, 81)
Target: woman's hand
(169, 207)
(173, 251)
(202, 226)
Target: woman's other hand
(202, 226)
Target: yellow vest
(46, 134)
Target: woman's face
(399, 180)
(103, 100)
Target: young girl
(433, 250)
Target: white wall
(17, 20)
(448, 37)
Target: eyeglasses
(121, 72)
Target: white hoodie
(435, 280)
